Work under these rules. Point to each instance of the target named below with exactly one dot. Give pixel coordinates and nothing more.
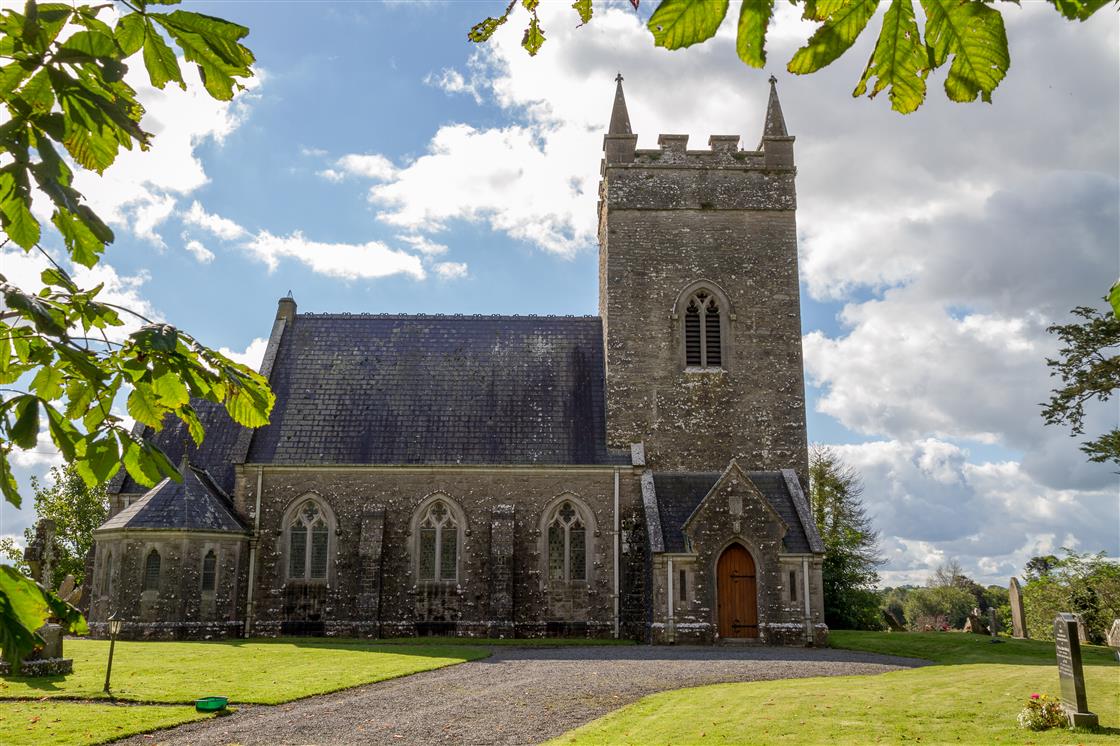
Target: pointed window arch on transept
(438, 536)
(209, 572)
(310, 528)
(151, 571)
(567, 530)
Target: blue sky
(382, 163)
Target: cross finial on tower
(775, 122)
(620, 119)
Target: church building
(640, 473)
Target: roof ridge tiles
(492, 316)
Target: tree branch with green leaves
(68, 106)
(968, 35)
(1089, 369)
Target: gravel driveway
(517, 696)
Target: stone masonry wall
(671, 218)
(501, 589)
(179, 609)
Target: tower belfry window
(703, 333)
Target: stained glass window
(209, 571)
(297, 554)
(308, 543)
(439, 544)
(151, 571)
(567, 544)
(556, 552)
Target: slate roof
(679, 494)
(381, 389)
(215, 453)
(195, 504)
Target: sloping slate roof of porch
(679, 494)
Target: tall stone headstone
(1067, 647)
(1113, 638)
(1018, 615)
(992, 621)
(1082, 631)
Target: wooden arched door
(738, 593)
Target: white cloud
(23, 270)
(139, 191)
(451, 80)
(363, 165)
(41, 457)
(933, 504)
(370, 260)
(423, 244)
(251, 356)
(199, 251)
(450, 270)
(223, 228)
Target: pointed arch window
(567, 544)
(151, 571)
(308, 542)
(703, 331)
(108, 586)
(439, 543)
(209, 572)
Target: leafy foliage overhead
(1089, 369)
(64, 359)
(968, 35)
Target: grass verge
(73, 709)
(255, 671)
(49, 723)
(972, 695)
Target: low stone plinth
(40, 667)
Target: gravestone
(1018, 615)
(1067, 647)
(992, 621)
(974, 624)
(892, 622)
(46, 660)
(1082, 633)
(1113, 638)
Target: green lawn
(65, 723)
(257, 671)
(971, 696)
(174, 673)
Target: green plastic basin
(211, 704)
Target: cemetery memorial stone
(1082, 632)
(1113, 638)
(1067, 647)
(992, 624)
(47, 660)
(1018, 614)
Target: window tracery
(438, 549)
(308, 542)
(703, 331)
(567, 544)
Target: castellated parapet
(672, 220)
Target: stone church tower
(698, 292)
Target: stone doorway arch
(737, 593)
